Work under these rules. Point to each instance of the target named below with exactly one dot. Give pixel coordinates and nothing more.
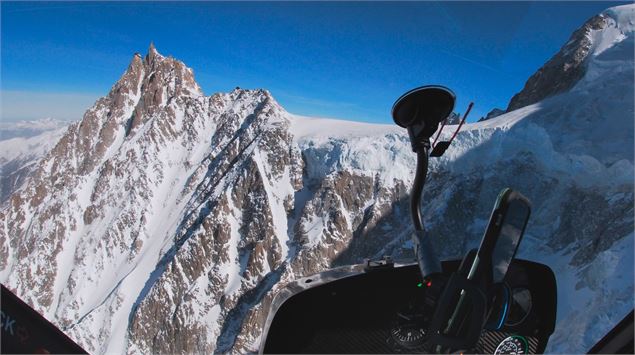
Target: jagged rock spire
(153, 54)
(160, 77)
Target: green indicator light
(420, 284)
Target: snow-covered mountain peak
(149, 84)
(624, 16)
(617, 30)
(566, 68)
(165, 79)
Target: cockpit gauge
(514, 344)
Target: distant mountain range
(165, 220)
(22, 144)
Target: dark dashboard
(381, 309)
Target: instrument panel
(383, 310)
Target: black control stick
(420, 111)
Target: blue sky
(328, 59)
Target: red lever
(441, 147)
(469, 108)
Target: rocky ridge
(564, 69)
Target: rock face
(165, 221)
(495, 112)
(564, 69)
(453, 119)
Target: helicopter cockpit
(489, 302)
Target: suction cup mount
(421, 110)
